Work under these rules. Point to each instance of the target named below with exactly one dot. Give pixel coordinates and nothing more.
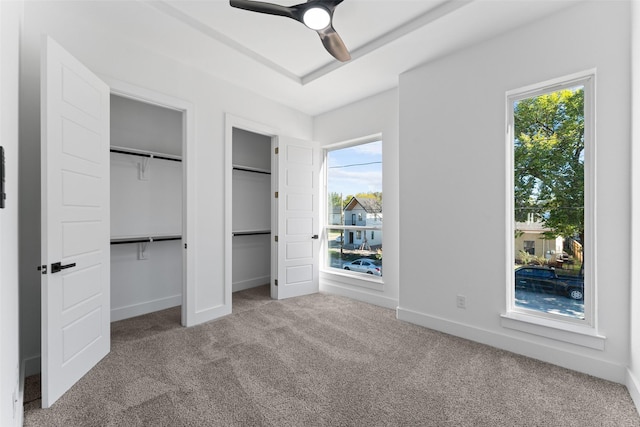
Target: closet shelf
(144, 239)
(250, 232)
(251, 169)
(142, 153)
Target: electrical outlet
(461, 301)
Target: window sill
(585, 336)
(352, 279)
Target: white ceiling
(281, 59)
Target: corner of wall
(634, 388)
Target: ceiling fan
(315, 14)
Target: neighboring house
(530, 238)
(363, 212)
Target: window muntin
(550, 140)
(353, 229)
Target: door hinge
(276, 194)
(42, 269)
(185, 246)
(275, 238)
(276, 150)
(276, 282)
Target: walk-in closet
(252, 198)
(146, 207)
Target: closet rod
(142, 154)
(250, 233)
(240, 168)
(144, 239)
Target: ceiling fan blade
(334, 44)
(262, 7)
(330, 39)
(329, 4)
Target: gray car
(365, 265)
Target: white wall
(377, 114)
(453, 156)
(145, 126)
(98, 45)
(633, 375)
(10, 411)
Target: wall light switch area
(461, 301)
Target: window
(550, 141)
(354, 191)
(530, 247)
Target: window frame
(348, 277)
(515, 317)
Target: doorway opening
(147, 205)
(251, 223)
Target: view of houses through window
(354, 208)
(549, 202)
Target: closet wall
(251, 210)
(146, 208)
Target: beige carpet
(321, 360)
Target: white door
(75, 220)
(298, 218)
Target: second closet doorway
(252, 210)
(146, 207)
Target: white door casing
(298, 217)
(75, 220)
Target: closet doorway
(252, 183)
(147, 206)
(277, 208)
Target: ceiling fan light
(316, 18)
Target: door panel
(75, 220)
(298, 217)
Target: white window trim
(576, 331)
(345, 277)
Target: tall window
(354, 190)
(551, 131)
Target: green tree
(549, 161)
(335, 199)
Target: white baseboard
(369, 298)
(634, 388)
(575, 361)
(139, 309)
(208, 314)
(251, 283)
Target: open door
(75, 220)
(298, 216)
